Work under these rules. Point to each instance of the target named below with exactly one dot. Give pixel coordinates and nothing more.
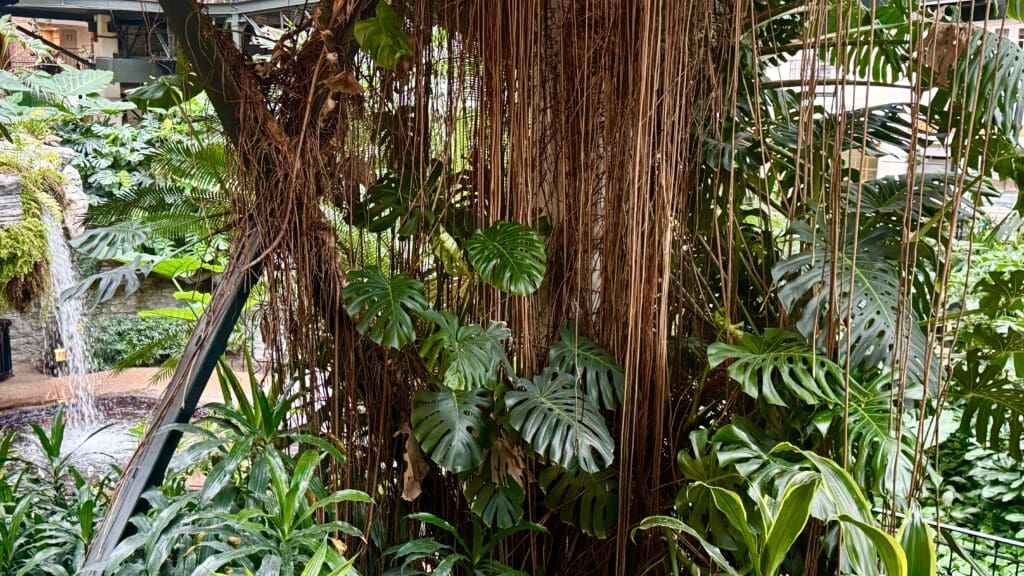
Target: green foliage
(260, 509)
(600, 375)
(559, 422)
(589, 501)
(68, 95)
(466, 356)
(452, 426)
(382, 305)
(757, 528)
(469, 555)
(383, 37)
(48, 511)
(918, 543)
(779, 355)
(867, 294)
(496, 502)
(119, 340)
(24, 249)
(509, 256)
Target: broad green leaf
(918, 544)
(558, 421)
(468, 355)
(589, 501)
(316, 563)
(731, 505)
(788, 523)
(779, 358)
(600, 373)
(185, 313)
(428, 518)
(678, 527)
(451, 426)
(382, 37)
(10, 83)
(867, 292)
(112, 241)
(69, 83)
(497, 505)
(993, 403)
(883, 546)
(509, 256)
(382, 305)
(880, 460)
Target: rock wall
(29, 340)
(28, 331)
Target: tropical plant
(259, 509)
(49, 510)
(469, 555)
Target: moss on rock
(24, 250)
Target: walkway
(30, 388)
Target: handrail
(61, 49)
(960, 530)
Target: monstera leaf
(467, 355)
(112, 241)
(884, 200)
(382, 305)
(974, 69)
(601, 375)
(382, 37)
(589, 501)
(509, 256)
(496, 503)
(452, 426)
(993, 403)
(881, 459)
(779, 358)
(867, 293)
(559, 422)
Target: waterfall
(69, 316)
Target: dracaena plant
(472, 555)
(49, 510)
(260, 509)
(749, 500)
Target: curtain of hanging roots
(586, 114)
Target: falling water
(69, 314)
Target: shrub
(115, 337)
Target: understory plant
(262, 505)
(49, 510)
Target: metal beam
(60, 49)
(149, 6)
(205, 347)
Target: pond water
(94, 445)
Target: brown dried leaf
(508, 461)
(942, 47)
(416, 465)
(344, 82)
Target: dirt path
(30, 388)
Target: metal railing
(966, 552)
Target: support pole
(205, 347)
